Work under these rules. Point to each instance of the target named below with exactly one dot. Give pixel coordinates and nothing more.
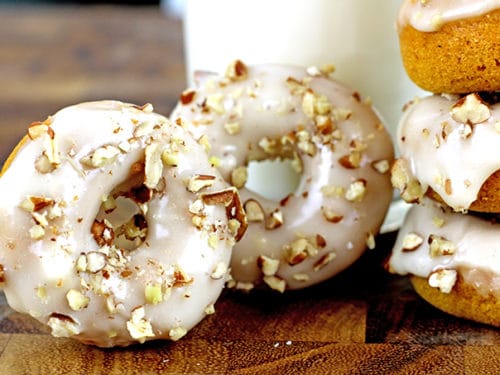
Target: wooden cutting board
(363, 321)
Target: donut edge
(464, 301)
(488, 197)
(435, 62)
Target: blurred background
(129, 2)
(54, 53)
(173, 7)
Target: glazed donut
(451, 46)
(59, 258)
(454, 261)
(447, 149)
(335, 142)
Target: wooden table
(363, 321)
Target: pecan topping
(274, 220)
(239, 177)
(146, 107)
(153, 294)
(153, 165)
(63, 325)
(381, 166)
(35, 204)
(267, 265)
(199, 182)
(138, 327)
(237, 71)
(219, 271)
(102, 233)
(100, 157)
(324, 260)
(275, 282)
(39, 128)
(2, 274)
(439, 246)
(402, 179)
(320, 241)
(254, 211)
(232, 128)
(331, 216)
(411, 242)
(356, 191)
(351, 161)
(234, 208)
(443, 279)
(76, 300)
(300, 249)
(471, 110)
(140, 194)
(181, 278)
(177, 333)
(187, 97)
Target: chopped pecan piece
(199, 182)
(237, 71)
(471, 110)
(254, 211)
(102, 233)
(411, 242)
(443, 279)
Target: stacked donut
(449, 163)
(117, 225)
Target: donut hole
(272, 179)
(129, 224)
(122, 215)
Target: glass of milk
(358, 37)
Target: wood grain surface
(363, 321)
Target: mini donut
(449, 150)
(451, 46)
(60, 262)
(453, 260)
(334, 140)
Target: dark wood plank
(51, 57)
(401, 316)
(43, 354)
(482, 359)
(363, 359)
(295, 317)
(4, 339)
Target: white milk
(357, 36)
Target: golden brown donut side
(12, 155)
(488, 199)
(437, 62)
(452, 260)
(464, 301)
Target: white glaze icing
(263, 106)
(430, 15)
(43, 276)
(439, 148)
(477, 242)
